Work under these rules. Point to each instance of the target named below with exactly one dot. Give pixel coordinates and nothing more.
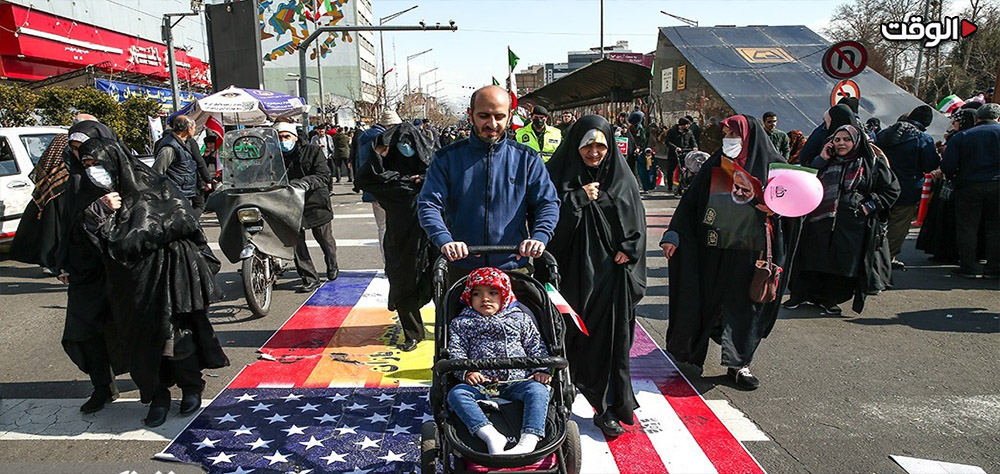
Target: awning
(601, 81)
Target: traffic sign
(845, 60)
(845, 88)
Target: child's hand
(541, 377)
(475, 378)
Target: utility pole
(420, 79)
(381, 45)
(409, 91)
(304, 44)
(602, 30)
(319, 69)
(920, 54)
(166, 31)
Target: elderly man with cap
(972, 160)
(912, 154)
(306, 168)
(538, 136)
(388, 119)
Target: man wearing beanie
(679, 137)
(972, 160)
(306, 168)
(912, 154)
(389, 118)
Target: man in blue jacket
(389, 118)
(912, 154)
(480, 191)
(972, 159)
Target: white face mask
(732, 147)
(99, 176)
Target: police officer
(542, 139)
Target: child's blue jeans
(535, 396)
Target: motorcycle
(259, 213)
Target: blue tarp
(124, 90)
(797, 90)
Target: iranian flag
(511, 81)
(565, 308)
(950, 103)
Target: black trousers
(184, 373)
(337, 164)
(412, 323)
(975, 203)
(303, 261)
(95, 355)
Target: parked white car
(20, 149)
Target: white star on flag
(227, 418)
(356, 406)
(308, 407)
(206, 443)
(262, 406)
(348, 429)
(221, 457)
(277, 457)
(405, 406)
(311, 443)
(243, 429)
(325, 418)
(294, 430)
(392, 457)
(385, 397)
(367, 443)
(375, 418)
(246, 397)
(276, 418)
(338, 398)
(425, 417)
(398, 430)
(358, 470)
(260, 443)
(333, 457)
(239, 470)
(291, 397)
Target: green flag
(496, 82)
(511, 59)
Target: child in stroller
(494, 325)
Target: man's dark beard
(488, 140)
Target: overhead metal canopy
(601, 81)
(778, 68)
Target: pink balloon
(793, 194)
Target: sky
(543, 31)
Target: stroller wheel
(572, 453)
(429, 448)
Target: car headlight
(249, 215)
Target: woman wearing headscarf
(600, 244)
(937, 234)
(394, 175)
(710, 274)
(795, 142)
(158, 279)
(841, 238)
(53, 234)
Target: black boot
(156, 416)
(190, 403)
(609, 425)
(102, 396)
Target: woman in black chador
(713, 243)
(600, 244)
(159, 282)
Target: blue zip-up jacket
(973, 155)
(365, 151)
(482, 194)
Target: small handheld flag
(563, 306)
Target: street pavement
(914, 375)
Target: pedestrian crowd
(128, 242)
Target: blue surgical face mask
(100, 176)
(287, 145)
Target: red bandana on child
(490, 277)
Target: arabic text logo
(932, 33)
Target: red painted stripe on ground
(722, 448)
(634, 453)
(296, 348)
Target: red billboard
(36, 46)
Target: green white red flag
(563, 306)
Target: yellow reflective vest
(550, 140)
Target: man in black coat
(678, 137)
(306, 167)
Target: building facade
(345, 64)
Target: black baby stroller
(689, 166)
(446, 441)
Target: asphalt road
(915, 375)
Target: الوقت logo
(933, 33)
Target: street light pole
(381, 45)
(166, 31)
(420, 79)
(408, 90)
(319, 68)
(304, 44)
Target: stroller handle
(441, 264)
(445, 366)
